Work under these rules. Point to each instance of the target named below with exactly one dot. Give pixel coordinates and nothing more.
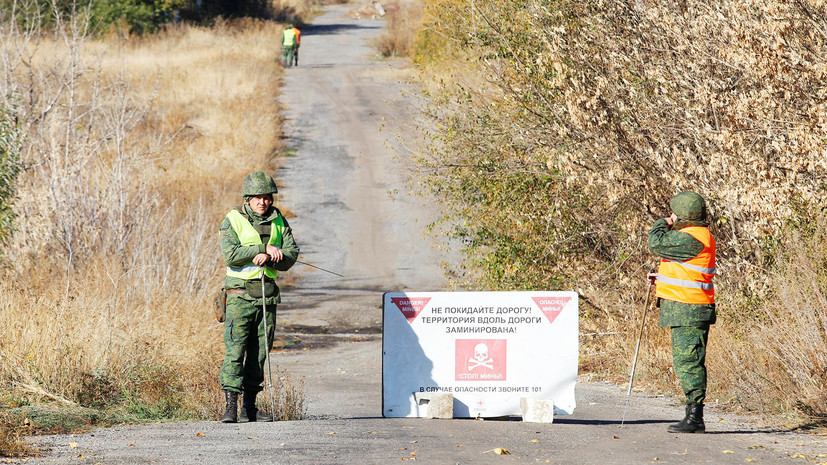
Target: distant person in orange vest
(686, 297)
(288, 42)
(298, 34)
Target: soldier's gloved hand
(274, 253)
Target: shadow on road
(321, 29)
(608, 422)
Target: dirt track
(339, 185)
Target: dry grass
(12, 427)
(136, 149)
(404, 18)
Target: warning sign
(410, 307)
(487, 349)
(481, 359)
(551, 306)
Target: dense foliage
(588, 116)
(142, 16)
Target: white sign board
(487, 349)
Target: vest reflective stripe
(690, 282)
(684, 283)
(693, 267)
(288, 38)
(248, 235)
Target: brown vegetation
(134, 151)
(404, 19)
(562, 130)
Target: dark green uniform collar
(682, 223)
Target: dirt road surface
(352, 216)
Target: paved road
(338, 184)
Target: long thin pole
(319, 268)
(637, 347)
(267, 349)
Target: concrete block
(537, 410)
(439, 405)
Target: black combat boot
(693, 422)
(249, 412)
(231, 415)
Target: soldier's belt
(236, 291)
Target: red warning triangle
(410, 306)
(551, 306)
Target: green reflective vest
(248, 235)
(289, 37)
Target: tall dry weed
(135, 150)
(775, 357)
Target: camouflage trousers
(689, 360)
(287, 55)
(246, 350)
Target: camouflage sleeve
(672, 245)
(289, 248)
(234, 253)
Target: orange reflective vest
(690, 282)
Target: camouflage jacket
(669, 243)
(236, 254)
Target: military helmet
(688, 205)
(258, 183)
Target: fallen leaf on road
(800, 456)
(537, 440)
(199, 435)
(459, 445)
(501, 451)
(615, 437)
(332, 432)
(131, 445)
(728, 452)
(750, 459)
(73, 445)
(412, 442)
(80, 456)
(756, 447)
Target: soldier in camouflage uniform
(255, 240)
(686, 297)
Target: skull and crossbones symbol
(480, 358)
